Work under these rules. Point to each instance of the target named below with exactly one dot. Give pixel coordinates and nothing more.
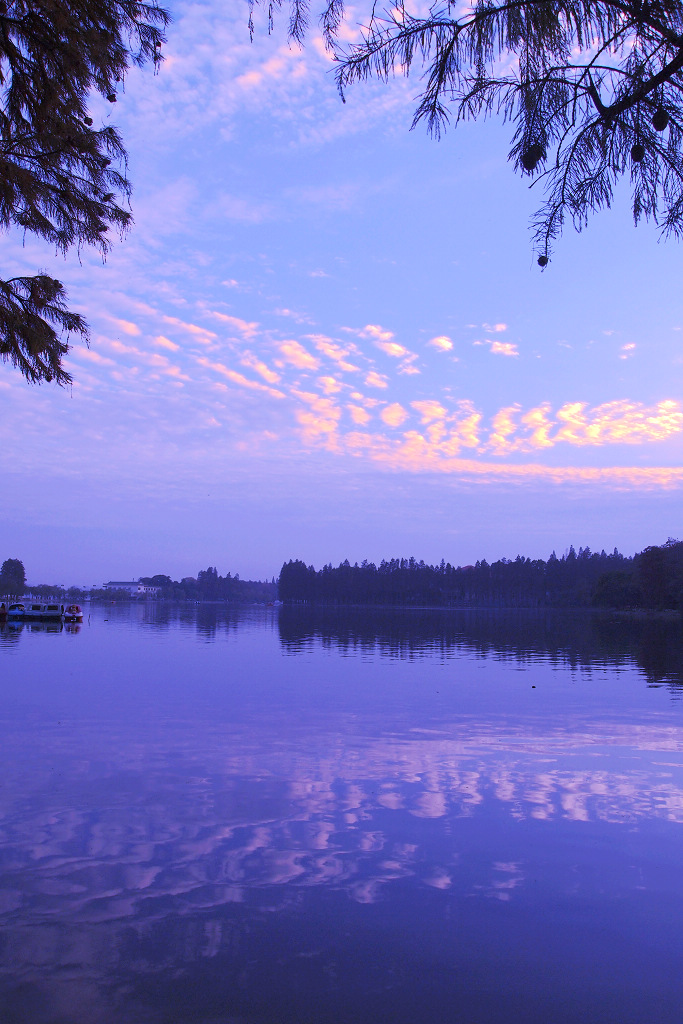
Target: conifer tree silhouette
(62, 178)
(592, 90)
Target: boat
(73, 613)
(34, 612)
(43, 612)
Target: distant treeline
(652, 579)
(207, 586)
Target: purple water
(268, 818)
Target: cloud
(320, 420)
(118, 346)
(271, 98)
(504, 348)
(337, 353)
(413, 453)
(503, 429)
(200, 333)
(373, 331)
(299, 318)
(295, 353)
(126, 326)
(430, 410)
(238, 378)
(468, 421)
(539, 422)
(214, 79)
(394, 415)
(622, 422)
(393, 349)
(90, 356)
(163, 342)
(247, 329)
(446, 432)
(277, 66)
(360, 416)
(153, 360)
(254, 363)
(443, 343)
(618, 422)
(330, 385)
(175, 371)
(382, 341)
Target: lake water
(377, 818)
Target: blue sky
(326, 337)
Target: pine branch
(60, 178)
(33, 320)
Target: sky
(326, 337)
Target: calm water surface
(263, 818)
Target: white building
(134, 589)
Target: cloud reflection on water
(135, 846)
(95, 863)
(119, 828)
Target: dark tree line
(209, 586)
(651, 579)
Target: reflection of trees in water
(207, 620)
(580, 640)
(211, 619)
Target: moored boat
(43, 612)
(73, 613)
(55, 612)
(34, 612)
